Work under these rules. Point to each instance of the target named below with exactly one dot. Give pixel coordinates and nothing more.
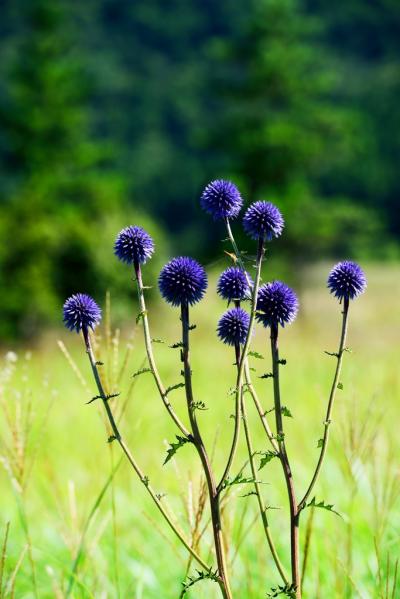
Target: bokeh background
(115, 111)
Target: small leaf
(173, 448)
(173, 387)
(199, 405)
(267, 375)
(176, 345)
(322, 505)
(320, 443)
(255, 354)
(282, 361)
(141, 371)
(140, 316)
(267, 456)
(288, 589)
(239, 479)
(192, 327)
(286, 412)
(340, 385)
(201, 575)
(333, 354)
(157, 341)
(280, 438)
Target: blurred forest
(120, 111)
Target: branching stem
(150, 355)
(214, 495)
(325, 439)
(117, 436)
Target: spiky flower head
(263, 219)
(221, 199)
(277, 304)
(182, 281)
(81, 312)
(133, 245)
(347, 280)
(233, 326)
(233, 284)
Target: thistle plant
(269, 306)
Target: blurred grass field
(56, 459)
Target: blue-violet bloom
(134, 245)
(182, 281)
(263, 219)
(276, 304)
(233, 326)
(233, 284)
(81, 312)
(221, 199)
(347, 280)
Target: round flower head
(276, 304)
(233, 326)
(263, 219)
(347, 280)
(182, 281)
(81, 312)
(221, 199)
(133, 244)
(233, 284)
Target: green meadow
(77, 522)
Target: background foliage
(109, 109)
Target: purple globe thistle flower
(133, 245)
(182, 281)
(276, 304)
(233, 326)
(233, 284)
(263, 219)
(221, 199)
(81, 312)
(347, 280)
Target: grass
(73, 516)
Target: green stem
(261, 505)
(199, 444)
(332, 395)
(242, 362)
(294, 514)
(117, 436)
(150, 355)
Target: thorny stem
(332, 395)
(294, 513)
(263, 508)
(117, 436)
(150, 355)
(214, 494)
(242, 362)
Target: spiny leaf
(267, 456)
(141, 371)
(288, 589)
(322, 505)
(99, 363)
(340, 385)
(330, 353)
(320, 443)
(282, 361)
(248, 494)
(140, 316)
(199, 405)
(173, 387)
(267, 375)
(286, 412)
(201, 575)
(239, 479)
(173, 448)
(255, 354)
(176, 345)
(192, 327)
